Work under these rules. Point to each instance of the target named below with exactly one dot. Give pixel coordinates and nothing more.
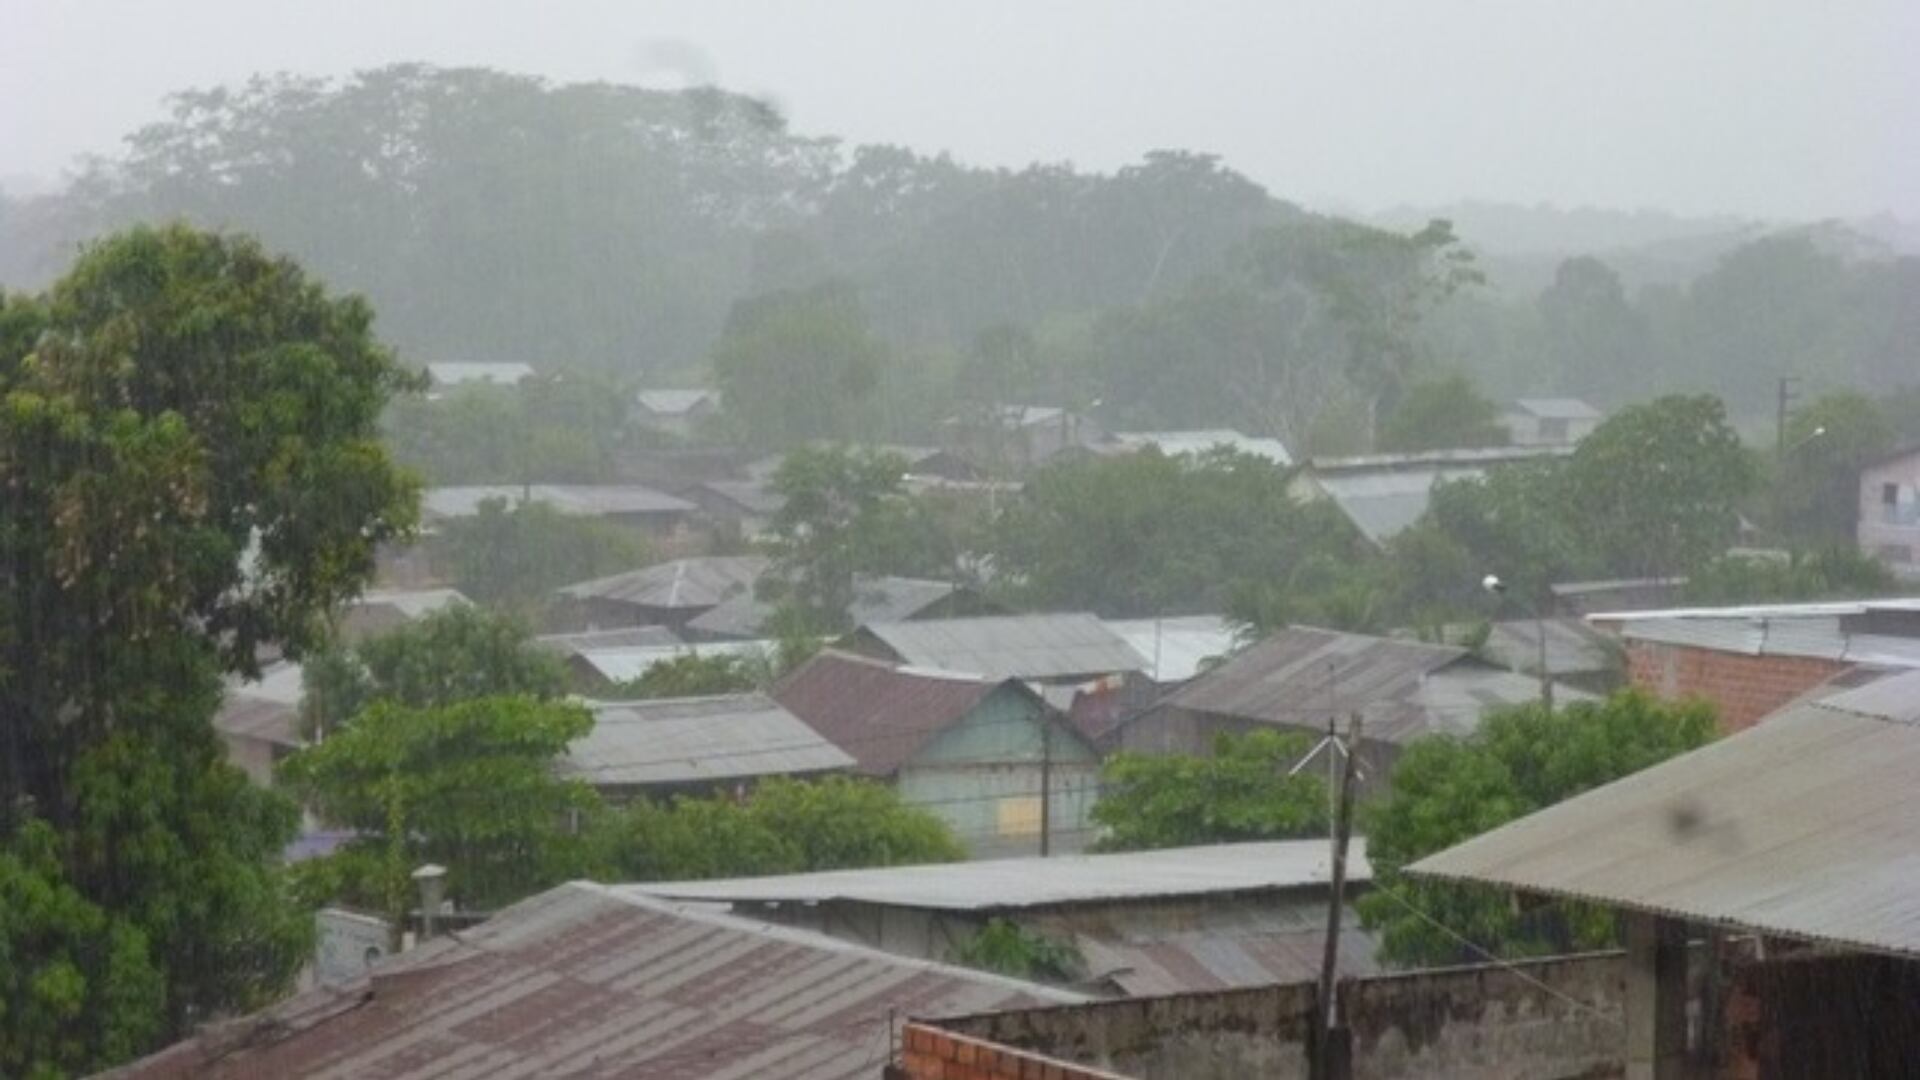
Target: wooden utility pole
(1326, 1013)
(1046, 785)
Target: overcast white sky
(1770, 108)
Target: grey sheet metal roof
(875, 599)
(1805, 630)
(1199, 442)
(750, 496)
(1405, 689)
(412, 603)
(697, 740)
(674, 402)
(1801, 826)
(700, 582)
(583, 981)
(1573, 647)
(1557, 408)
(624, 664)
(620, 637)
(580, 500)
(1010, 646)
(455, 374)
(995, 884)
(1176, 649)
(1205, 961)
(1383, 494)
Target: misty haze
(927, 541)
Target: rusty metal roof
(696, 740)
(582, 982)
(880, 713)
(1040, 646)
(691, 583)
(1801, 826)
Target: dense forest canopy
(610, 229)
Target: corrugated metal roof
(582, 981)
(629, 663)
(700, 582)
(272, 722)
(1801, 826)
(1573, 647)
(1404, 689)
(1010, 646)
(1557, 408)
(580, 500)
(1804, 630)
(674, 402)
(1428, 460)
(1176, 649)
(875, 599)
(620, 637)
(750, 496)
(1199, 442)
(1006, 884)
(880, 713)
(454, 374)
(1208, 961)
(697, 740)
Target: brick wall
(928, 1053)
(1743, 688)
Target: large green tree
(510, 556)
(844, 512)
(453, 655)
(1147, 533)
(1656, 489)
(470, 786)
(1447, 789)
(1241, 792)
(798, 365)
(1816, 475)
(1442, 414)
(190, 471)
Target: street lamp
(1492, 584)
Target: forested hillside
(612, 230)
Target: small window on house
(1019, 816)
(1890, 494)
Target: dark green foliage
(565, 428)
(1011, 949)
(1241, 792)
(512, 556)
(470, 786)
(1446, 790)
(187, 400)
(456, 654)
(794, 366)
(1145, 533)
(845, 512)
(1442, 414)
(784, 826)
(1817, 472)
(1828, 574)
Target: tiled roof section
(1010, 646)
(880, 713)
(695, 741)
(692, 583)
(580, 982)
(875, 599)
(1800, 826)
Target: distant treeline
(613, 229)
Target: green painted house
(971, 750)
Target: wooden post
(1326, 1007)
